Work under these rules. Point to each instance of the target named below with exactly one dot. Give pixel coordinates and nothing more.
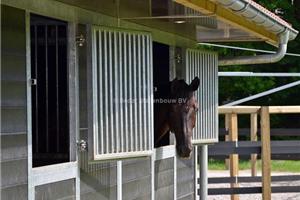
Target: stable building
(68, 70)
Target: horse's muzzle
(184, 151)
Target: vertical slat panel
(202, 96)
(124, 93)
(198, 92)
(130, 97)
(193, 60)
(216, 98)
(144, 98)
(95, 70)
(206, 96)
(151, 93)
(111, 93)
(149, 49)
(138, 99)
(100, 70)
(115, 102)
(121, 81)
(105, 90)
(135, 91)
(206, 83)
(204, 65)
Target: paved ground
(286, 196)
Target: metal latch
(33, 81)
(82, 145)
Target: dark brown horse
(175, 110)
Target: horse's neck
(163, 130)
(161, 112)
(161, 121)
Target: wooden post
(266, 153)
(253, 130)
(227, 138)
(234, 158)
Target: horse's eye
(196, 109)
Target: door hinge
(80, 40)
(82, 145)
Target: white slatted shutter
(122, 93)
(205, 66)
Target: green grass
(276, 165)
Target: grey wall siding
(185, 178)
(99, 181)
(13, 173)
(63, 190)
(136, 177)
(164, 181)
(13, 105)
(13, 147)
(14, 193)
(12, 120)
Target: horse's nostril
(184, 151)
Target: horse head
(182, 114)
(179, 115)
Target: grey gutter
(260, 59)
(269, 21)
(264, 18)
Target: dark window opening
(161, 77)
(50, 106)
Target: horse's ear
(195, 83)
(174, 86)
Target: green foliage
(276, 165)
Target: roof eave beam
(227, 16)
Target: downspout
(260, 59)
